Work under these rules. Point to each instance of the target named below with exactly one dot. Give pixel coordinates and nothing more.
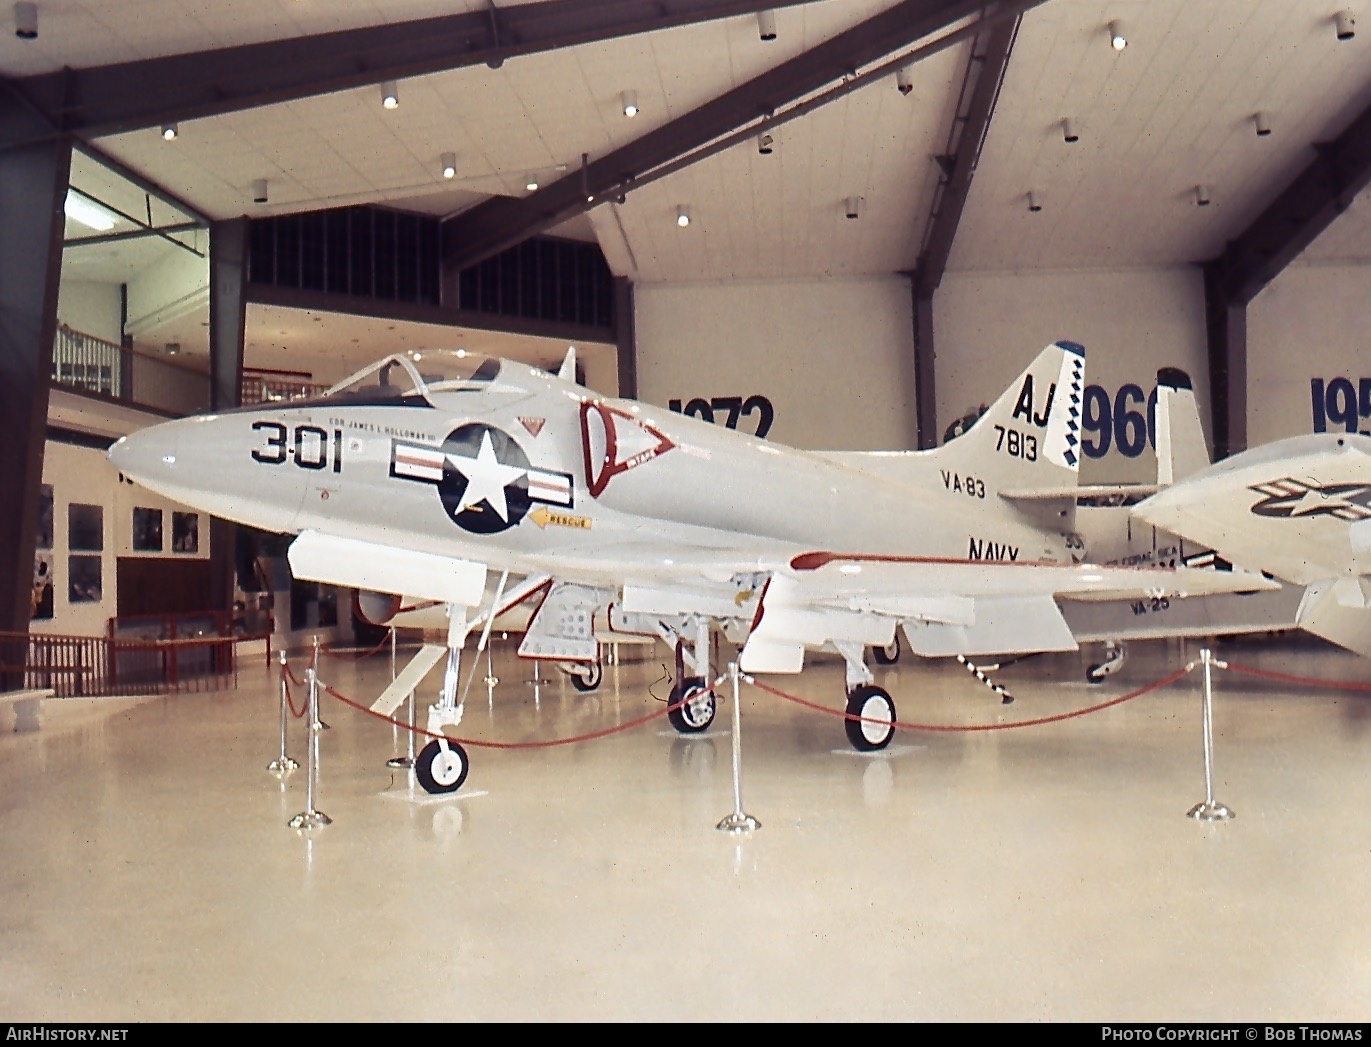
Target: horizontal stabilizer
(1148, 618)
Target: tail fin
(1181, 448)
(1031, 436)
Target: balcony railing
(261, 385)
(90, 365)
(91, 666)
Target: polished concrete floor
(1047, 872)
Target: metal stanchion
(738, 821)
(1209, 810)
(310, 817)
(283, 764)
(402, 763)
(537, 682)
(491, 679)
(314, 661)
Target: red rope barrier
(978, 727)
(1305, 681)
(476, 744)
(349, 656)
(285, 682)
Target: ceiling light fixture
(1346, 23)
(390, 95)
(169, 132)
(87, 212)
(682, 215)
(1202, 196)
(902, 80)
(766, 25)
(1034, 204)
(852, 207)
(1116, 38)
(449, 162)
(26, 21)
(765, 144)
(630, 103)
(531, 183)
(259, 190)
(1263, 124)
(1069, 134)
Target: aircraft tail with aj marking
(1026, 445)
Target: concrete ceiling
(1175, 110)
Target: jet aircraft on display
(481, 484)
(1299, 508)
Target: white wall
(1308, 325)
(988, 326)
(90, 308)
(83, 475)
(834, 357)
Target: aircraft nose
(146, 456)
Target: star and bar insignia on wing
(1288, 498)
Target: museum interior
(827, 510)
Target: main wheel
(877, 724)
(587, 678)
(697, 712)
(889, 654)
(439, 771)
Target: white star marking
(1315, 501)
(486, 477)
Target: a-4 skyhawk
(480, 484)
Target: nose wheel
(871, 718)
(440, 769)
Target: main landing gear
(874, 723)
(1115, 654)
(692, 704)
(870, 723)
(889, 654)
(696, 712)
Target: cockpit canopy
(417, 376)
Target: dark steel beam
(1306, 207)
(625, 338)
(137, 234)
(33, 186)
(1226, 333)
(111, 99)
(501, 222)
(228, 274)
(415, 312)
(925, 370)
(976, 105)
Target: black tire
(698, 711)
(589, 680)
(438, 773)
(871, 703)
(887, 655)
